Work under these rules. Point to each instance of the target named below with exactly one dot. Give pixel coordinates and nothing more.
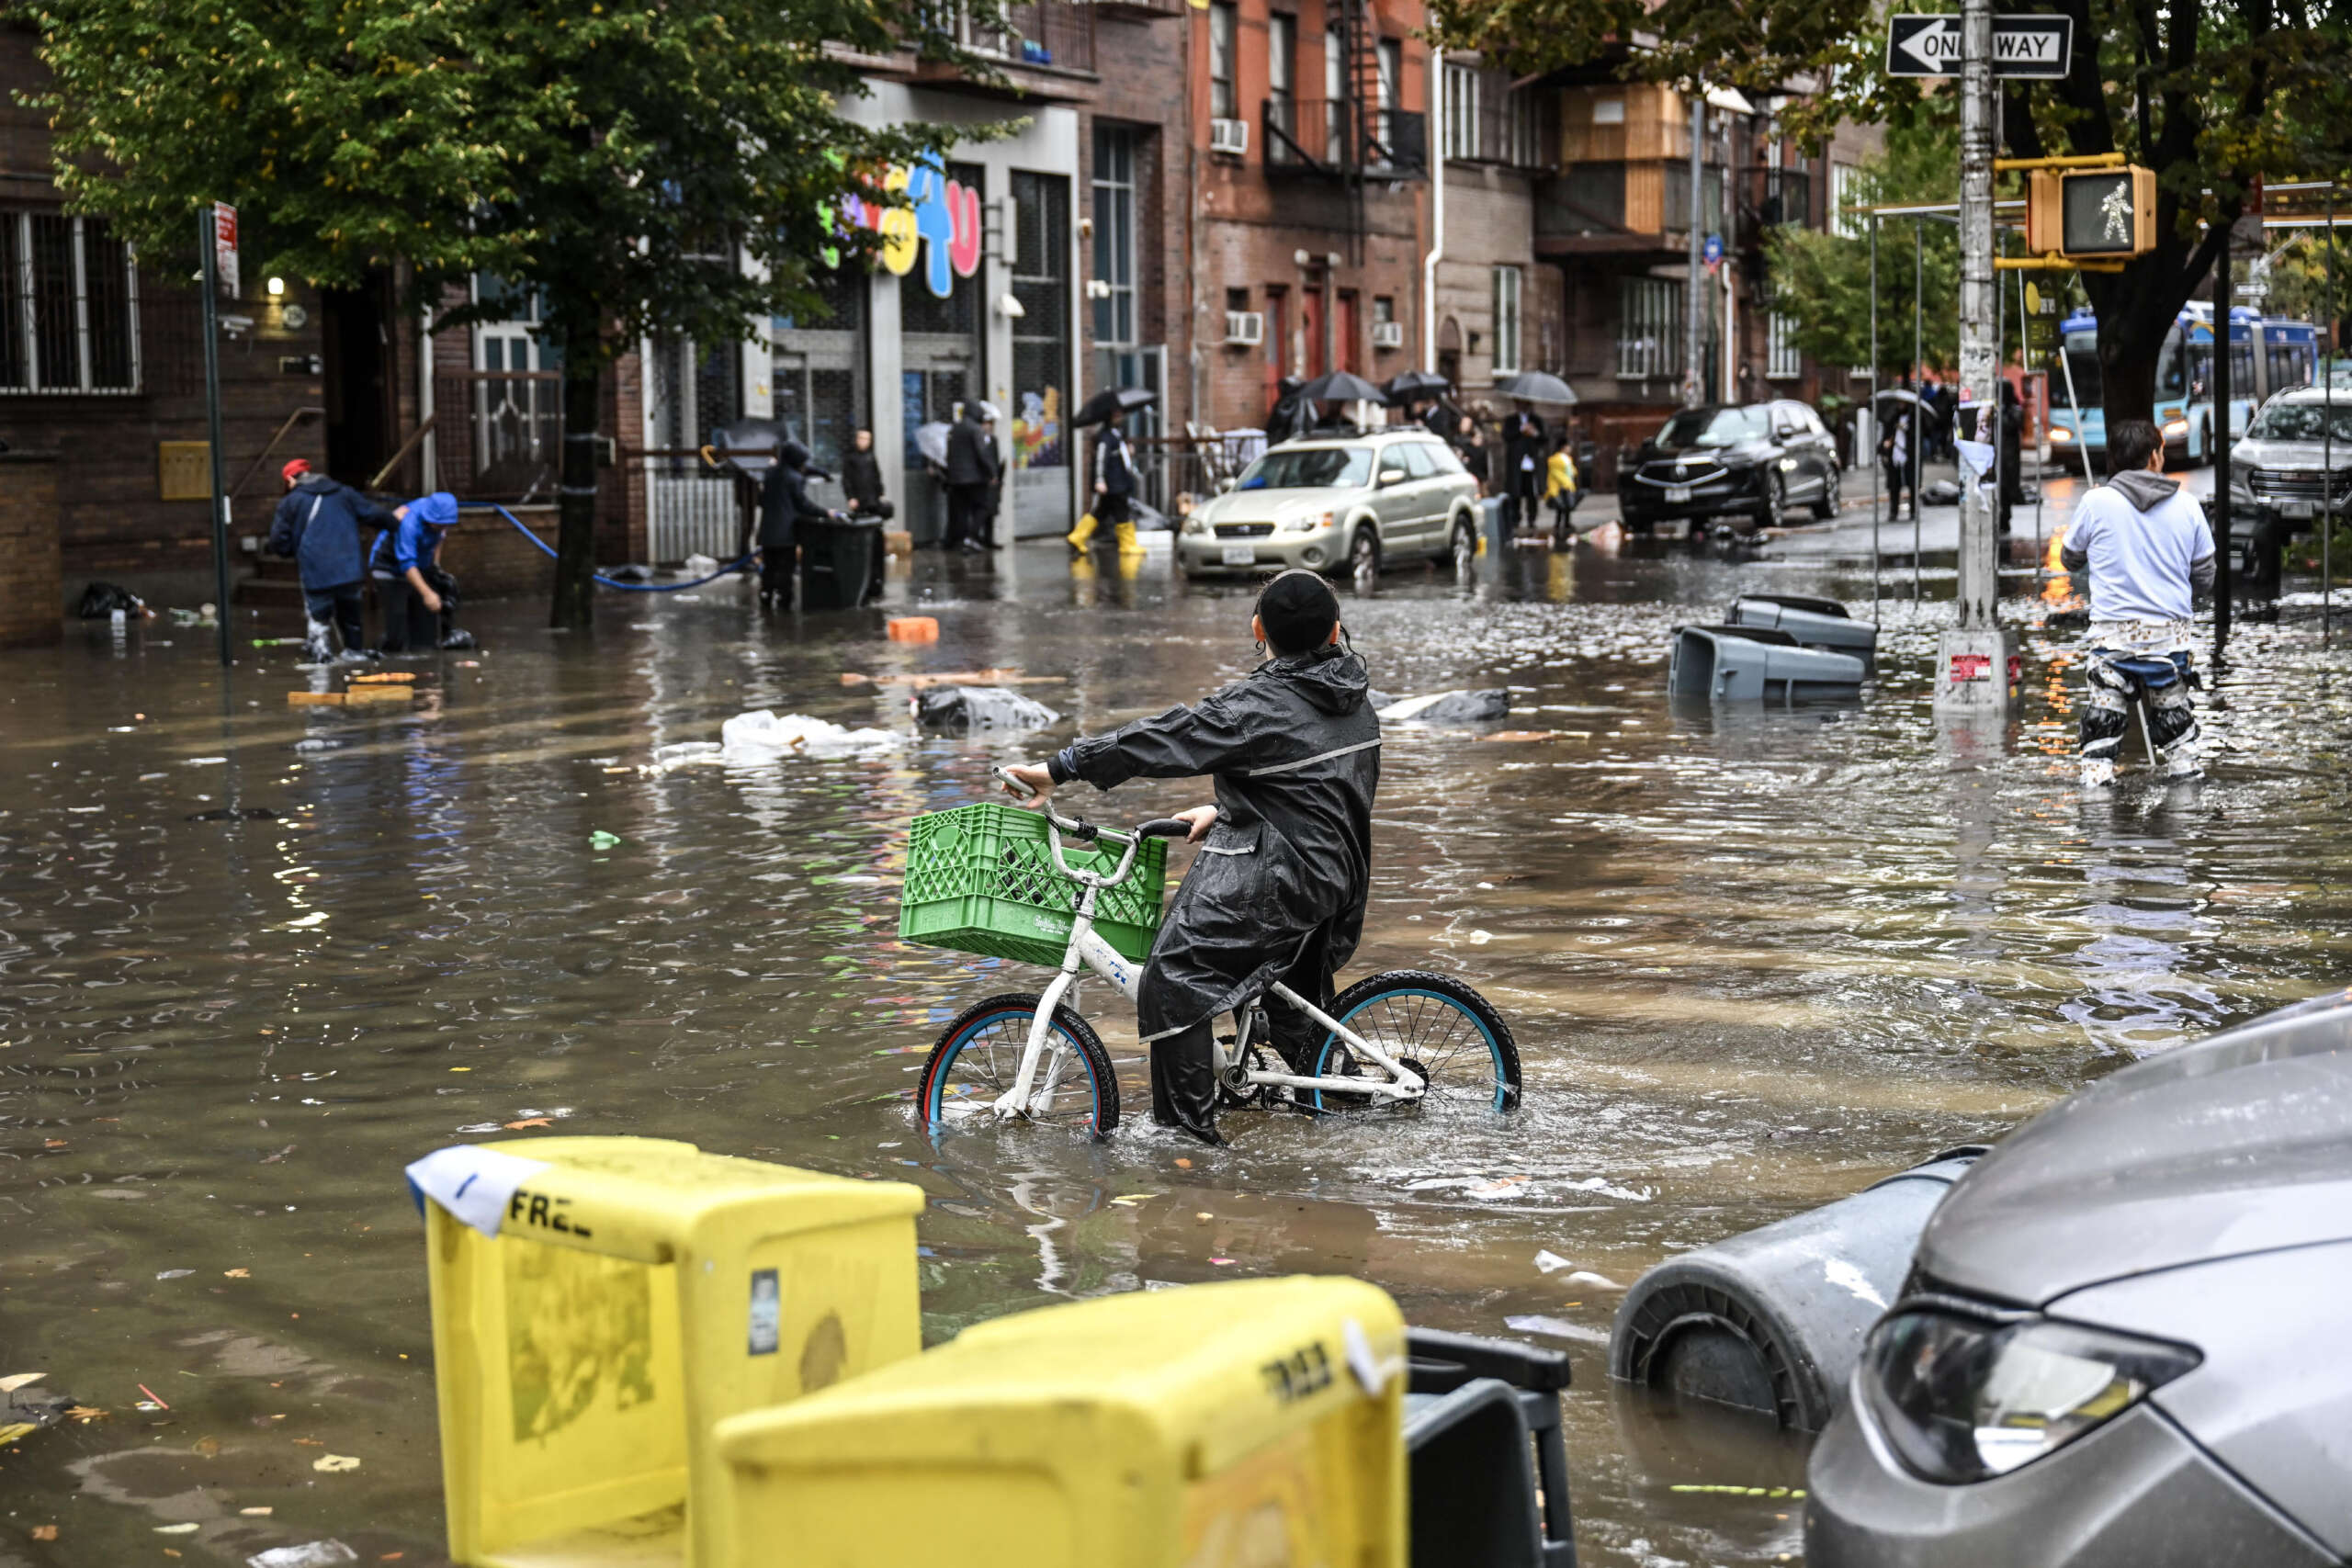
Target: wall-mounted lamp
(1302, 258)
(1331, 260)
(276, 287)
(1009, 307)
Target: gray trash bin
(1815, 622)
(1474, 1410)
(1748, 664)
(1773, 1320)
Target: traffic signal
(2091, 214)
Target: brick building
(1499, 310)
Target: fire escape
(1360, 137)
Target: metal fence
(691, 510)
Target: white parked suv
(1329, 504)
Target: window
(1507, 283)
(517, 401)
(1114, 233)
(1522, 130)
(1282, 59)
(69, 306)
(1417, 463)
(1649, 328)
(1384, 310)
(1461, 111)
(817, 367)
(1390, 58)
(1845, 189)
(1041, 367)
(1335, 90)
(1782, 361)
(1236, 300)
(1609, 111)
(1225, 25)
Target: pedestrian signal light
(2093, 214)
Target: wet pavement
(1755, 960)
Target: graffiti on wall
(940, 225)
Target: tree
(2209, 94)
(1821, 278)
(616, 155)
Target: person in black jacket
(1288, 416)
(1114, 483)
(318, 524)
(973, 469)
(862, 484)
(784, 506)
(1522, 481)
(1278, 892)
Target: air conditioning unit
(1245, 328)
(1229, 136)
(1387, 335)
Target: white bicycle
(1401, 1040)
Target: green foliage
(2299, 278)
(599, 150)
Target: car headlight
(2175, 427)
(1308, 523)
(1197, 525)
(2060, 434)
(1961, 1398)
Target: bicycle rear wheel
(978, 1056)
(1449, 1033)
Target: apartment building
(1499, 307)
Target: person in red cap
(318, 524)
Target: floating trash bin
(1815, 622)
(1773, 1320)
(635, 1292)
(1747, 664)
(1475, 1410)
(1259, 1421)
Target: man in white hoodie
(2147, 549)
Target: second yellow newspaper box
(636, 1292)
(1251, 1425)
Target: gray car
(2126, 1339)
(1352, 502)
(2276, 472)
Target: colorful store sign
(942, 212)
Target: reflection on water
(1753, 959)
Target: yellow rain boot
(1080, 536)
(1125, 533)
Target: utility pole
(1694, 297)
(208, 234)
(1972, 662)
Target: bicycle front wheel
(1444, 1030)
(979, 1056)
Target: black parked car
(1751, 462)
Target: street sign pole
(2223, 393)
(1694, 297)
(208, 234)
(1971, 664)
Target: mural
(942, 222)
(1037, 430)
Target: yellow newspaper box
(1229, 1425)
(636, 1292)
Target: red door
(1310, 325)
(1277, 341)
(1351, 339)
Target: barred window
(1782, 361)
(1649, 328)
(1507, 320)
(68, 298)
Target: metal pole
(1979, 585)
(1919, 391)
(2222, 543)
(2327, 441)
(1694, 298)
(2025, 361)
(1872, 457)
(2082, 447)
(205, 240)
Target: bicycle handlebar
(1086, 833)
(1164, 828)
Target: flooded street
(1755, 960)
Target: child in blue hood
(419, 598)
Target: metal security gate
(691, 514)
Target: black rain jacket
(1295, 750)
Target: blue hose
(603, 581)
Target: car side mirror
(1225, 485)
(1392, 476)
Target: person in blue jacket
(318, 524)
(419, 599)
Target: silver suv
(1358, 502)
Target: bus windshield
(2082, 360)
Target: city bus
(2267, 355)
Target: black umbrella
(1341, 387)
(1113, 402)
(1896, 395)
(1411, 386)
(1536, 387)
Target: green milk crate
(981, 879)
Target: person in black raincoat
(1278, 890)
(784, 506)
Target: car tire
(1826, 509)
(1364, 555)
(1775, 509)
(1462, 547)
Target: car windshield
(1310, 468)
(1713, 427)
(2303, 422)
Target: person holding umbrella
(1114, 469)
(972, 476)
(1894, 446)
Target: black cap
(1298, 611)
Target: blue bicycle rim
(1493, 1053)
(931, 1108)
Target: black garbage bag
(1485, 705)
(963, 710)
(101, 600)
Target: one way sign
(2022, 46)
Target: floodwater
(1755, 960)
